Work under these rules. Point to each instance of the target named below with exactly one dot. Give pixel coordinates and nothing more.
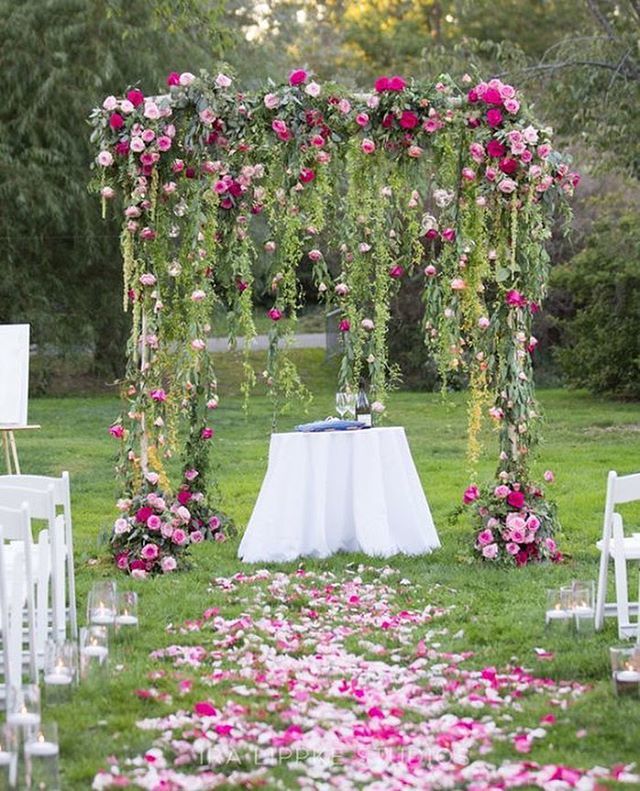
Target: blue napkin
(332, 425)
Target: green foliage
(601, 347)
(60, 265)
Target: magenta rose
(183, 497)
(508, 165)
(116, 121)
(122, 561)
(297, 77)
(307, 175)
(471, 493)
(344, 325)
(515, 499)
(206, 433)
(494, 117)
(116, 431)
(396, 83)
(449, 234)
(381, 84)
(173, 78)
(515, 299)
(396, 272)
(496, 149)
(142, 514)
(408, 120)
(136, 97)
(492, 96)
(274, 314)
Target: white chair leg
(601, 596)
(620, 565)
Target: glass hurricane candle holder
(94, 651)
(60, 670)
(41, 752)
(8, 757)
(101, 604)
(127, 613)
(625, 670)
(23, 708)
(558, 615)
(583, 596)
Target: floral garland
(457, 187)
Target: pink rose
(315, 255)
(105, 159)
(168, 564)
(191, 475)
(368, 146)
(532, 523)
(148, 279)
(501, 491)
(484, 322)
(122, 561)
(164, 143)
(551, 545)
(415, 152)
(512, 548)
(471, 493)
(448, 234)
(197, 537)
(271, 101)
(458, 284)
(158, 395)
(297, 77)
(511, 106)
(362, 119)
(154, 522)
(549, 476)
(179, 537)
(116, 431)
(430, 270)
(477, 151)
(222, 81)
(214, 523)
(312, 89)
(507, 186)
(150, 551)
(485, 537)
(490, 551)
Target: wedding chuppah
(453, 186)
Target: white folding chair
(16, 589)
(62, 499)
(614, 544)
(46, 558)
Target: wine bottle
(363, 408)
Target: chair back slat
(626, 488)
(12, 521)
(41, 503)
(37, 482)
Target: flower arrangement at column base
(514, 522)
(155, 531)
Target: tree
(60, 263)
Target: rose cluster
(514, 522)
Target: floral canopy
(456, 186)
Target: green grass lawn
(501, 612)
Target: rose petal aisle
(337, 682)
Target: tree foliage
(61, 266)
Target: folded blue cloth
(332, 425)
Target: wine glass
(350, 401)
(341, 404)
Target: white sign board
(14, 374)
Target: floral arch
(455, 185)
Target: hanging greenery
(457, 185)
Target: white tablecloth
(339, 490)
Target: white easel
(14, 389)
